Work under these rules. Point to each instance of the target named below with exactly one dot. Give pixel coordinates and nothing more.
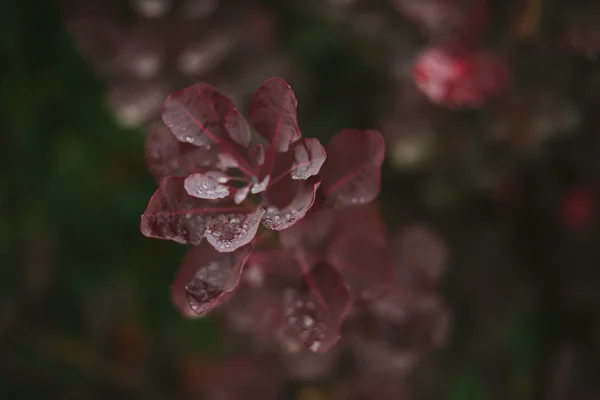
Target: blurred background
(490, 110)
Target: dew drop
(308, 321)
(254, 275)
(315, 346)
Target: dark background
(84, 303)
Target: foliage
(224, 187)
(505, 187)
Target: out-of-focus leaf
(352, 239)
(419, 251)
(359, 251)
(352, 171)
(314, 310)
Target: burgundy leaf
(309, 156)
(365, 265)
(227, 232)
(205, 276)
(210, 185)
(361, 220)
(419, 254)
(305, 158)
(166, 156)
(289, 201)
(172, 214)
(257, 155)
(311, 233)
(238, 128)
(359, 251)
(352, 172)
(354, 240)
(194, 117)
(261, 185)
(254, 309)
(315, 309)
(272, 263)
(241, 194)
(273, 114)
(197, 115)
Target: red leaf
(353, 240)
(273, 114)
(359, 251)
(365, 265)
(166, 156)
(420, 255)
(205, 276)
(309, 156)
(254, 309)
(314, 310)
(312, 233)
(261, 184)
(227, 232)
(305, 159)
(210, 185)
(241, 194)
(362, 220)
(271, 263)
(352, 172)
(289, 201)
(238, 128)
(257, 155)
(172, 214)
(197, 115)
